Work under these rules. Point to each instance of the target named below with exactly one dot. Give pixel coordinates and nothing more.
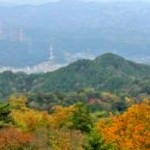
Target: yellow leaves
(61, 116)
(47, 128)
(30, 120)
(25, 118)
(17, 102)
(130, 131)
(129, 101)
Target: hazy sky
(27, 1)
(45, 1)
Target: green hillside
(107, 72)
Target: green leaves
(81, 118)
(4, 115)
(96, 142)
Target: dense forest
(83, 79)
(73, 128)
(98, 99)
(100, 104)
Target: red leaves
(12, 137)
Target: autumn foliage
(73, 128)
(14, 139)
(129, 131)
(29, 120)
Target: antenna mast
(51, 53)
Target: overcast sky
(45, 1)
(27, 1)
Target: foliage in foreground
(73, 128)
(129, 131)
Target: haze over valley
(75, 29)
(74, 75)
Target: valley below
(75, 75)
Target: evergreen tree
(81, 118)
(5, 118)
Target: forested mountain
(98, 99)
(107, 72)
(74, 28)
(86, 105)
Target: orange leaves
(11, 138)
(130, 131)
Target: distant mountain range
(73, 27)
(107, 72)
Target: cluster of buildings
(47, 66)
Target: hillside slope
(107, 72)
